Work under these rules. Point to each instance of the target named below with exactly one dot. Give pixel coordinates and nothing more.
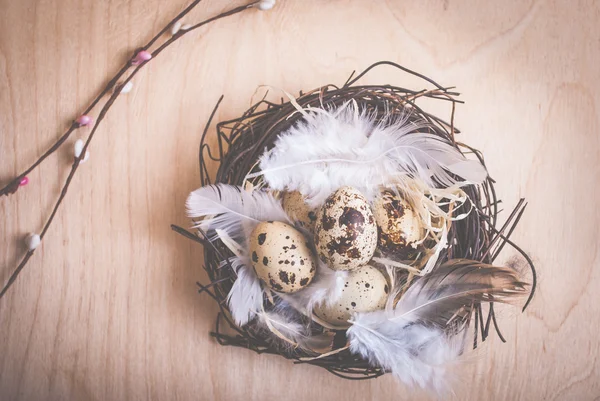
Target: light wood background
(108, 310)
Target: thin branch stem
(13, 185)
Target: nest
(241, 141)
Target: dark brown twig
(12, 186)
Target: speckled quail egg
(345, 230)
(366, 290)
(281, 256)
(399, 226)
(295, 206)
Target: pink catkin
(141, 56)
(84, 120)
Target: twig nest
(359, 138)
(281, 257)
(345, 231)
(295, 206)
(399, 226)
(366, 290)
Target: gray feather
(411, 340)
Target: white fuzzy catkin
(127, 87)
(78, 148)
(265, 5)
(32, 241)
(175, 27)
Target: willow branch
(14, 184)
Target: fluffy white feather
(232, 210)
(332, 148)
(326, 287)
(418, 338)
(245, 299)
(416, 354)
(230, 214)
(285, 322)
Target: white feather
(412, 340)
(326, 287)
(232, 210)
(284, 321)
(415, 353)
(285, 328)
(245, 298)
(329, 149)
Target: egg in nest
(366, 290)
(399, 226)
(295, 206)
(281, 256)
(345, 231)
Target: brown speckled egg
(366, 290)
(345, 231)
(295, 206)
(399, 226)
(281, 257)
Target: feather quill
(232, 210)
(414, 340)
(332, 148)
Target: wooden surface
(108, 310)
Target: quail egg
(281, 256)
(345, 230)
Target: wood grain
(108, 309)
